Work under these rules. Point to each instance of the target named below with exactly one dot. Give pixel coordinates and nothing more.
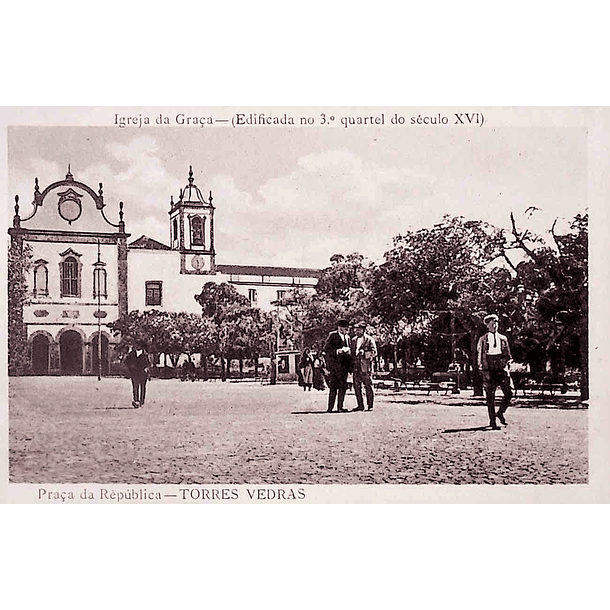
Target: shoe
(341, 410)
(370, 409)
(500, 416)
(359, 409)
(136, 405)
(494, 427)
(329, 410)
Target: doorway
(71, 353)
(40, 355)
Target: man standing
(137, 363)
(493, 354)
(364, 351)
(338, 361)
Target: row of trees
(228, 328)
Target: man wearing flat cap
(364, 351)
(339, 363)
(493, 354)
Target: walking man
(493, 353)
(137, 362)
(364, 351)
(339, 362)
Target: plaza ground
(80, 430)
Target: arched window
(100, 286)
(70, 274)
(41, 278)
(175, 225)
(196, 231)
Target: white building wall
(54, 312)
(179, 289)
(164, 266)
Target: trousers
(363, 379)
(138, 385)
(494, 379)
(337, 390)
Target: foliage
(19, 261)
(556, 277)
(431, 269)
(239, 330)
(341, 292)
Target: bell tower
(191, 229)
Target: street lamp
(98, 288)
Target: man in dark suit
(339, 362)
(137, 362)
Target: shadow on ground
(534, 402)
(478, 429)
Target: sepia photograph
(276, 304)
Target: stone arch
(108, 353)
(40, 344)
(71, 350)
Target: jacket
(338, 364)
(363, 358)
(483, 346)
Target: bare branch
(555, 236)
(519, 237)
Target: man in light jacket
(493, 355)
(364, 351)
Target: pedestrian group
(344, 355)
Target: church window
(175, 229)
(154, 293)
(41, 278)
(70, 274)
(281, 295)
(196, 231)
(252, 295)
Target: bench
(431, 386)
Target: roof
(148, 243)
(269, 271)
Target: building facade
(86, 272)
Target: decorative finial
(36, 189)
(210, 196)
(69, 175)
(120, 211)
(101, 191)
(16, 205)
(190, 174)
(181, 194)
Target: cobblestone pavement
(76, 430)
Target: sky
(296, 196)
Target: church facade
(87, 271)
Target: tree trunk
(204, 365)
(223, 368)
(255, 366)
(477, 378)
(584, 346)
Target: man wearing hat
(493, 354)
(364, 351)
(339, 363)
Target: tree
(557, 275)
(431, 272)
(430, 269)
(341, 292)
(237, 326)
(19, 262)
